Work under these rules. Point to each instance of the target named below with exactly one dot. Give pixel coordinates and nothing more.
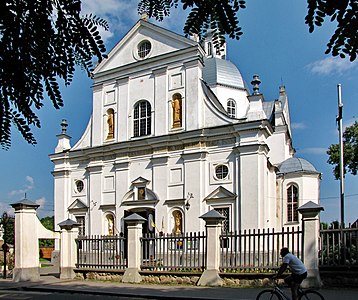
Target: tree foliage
(217, 15)
(350, 152)
(8, 228)
(344, 41)
(41, 41)
(221, 16)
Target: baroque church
(174, 133)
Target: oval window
(144, 49)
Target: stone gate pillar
(213, 221)
(310, 226)
(135, 225)
(68, 248)
(26, 242)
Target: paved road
(54, 288)
(12, 295)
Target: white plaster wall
(279, 148)
(308, 190)
(240, 97)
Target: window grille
(142, 119)
(231, 108)
(292, 204)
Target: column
(68, 248)
(26, 242)
(213, 221)
(135, 224)
(310, 223)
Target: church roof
(222, 71)
(296, 164)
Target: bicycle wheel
(310, 295)
(268, 295)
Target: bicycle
(276, 293)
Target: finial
(282, 90)
(144, 16)
(255, 83)
(64, 126)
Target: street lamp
(188, 197)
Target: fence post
(213, 221)
(68, 248)
(310, 223)
(26, 242)
(135, 224)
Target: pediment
(140, 181)
(220, 193)
(162, 41)
(78, 205)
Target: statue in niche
(176, 105)
(141, 193)
(110, 225)
(110, 122)
(178, 222)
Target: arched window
(210, 50)
(177, 110)
(231, 108)
(110, 123)
(292, 204)
(142, 119)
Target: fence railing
(173, 252)
(339, 247)
(101, 252)
(257, 250)
(247, 250)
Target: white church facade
(175, 132)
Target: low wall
(340, 278)
(330, 279)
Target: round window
(221, 171)
(144, 49)
(79, 186)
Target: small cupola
(210, 48)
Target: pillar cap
(24, 203)
(68, 224)
(310, 209)
(212, 216)
(134, 218)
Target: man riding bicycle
(298, 269)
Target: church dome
(223, 72)
(295, 164)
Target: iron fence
(101, 252)
(173, 252)
(257, 250)
(339, 247)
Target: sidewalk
(53, 284)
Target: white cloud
(118, 14)
(332, 65)
(313, 150)
(29, 185)
(6, 207)
(121, 15)
(41, 201)
(298, 125)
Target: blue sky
(276, 45)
